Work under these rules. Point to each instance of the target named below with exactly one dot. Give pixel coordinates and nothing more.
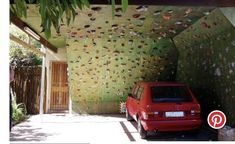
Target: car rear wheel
(128, 116)
(142, 132)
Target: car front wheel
(142, 132)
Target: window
(139, 93)
(170, 94)
(135, 91)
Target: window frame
(140, 92)
(135, 91)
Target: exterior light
(32, 33)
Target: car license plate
(174, 114)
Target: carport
(184, 41)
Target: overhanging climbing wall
(107, 56)
(102, 76)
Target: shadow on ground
(28, 133)
(204, 134)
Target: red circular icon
(216, 119)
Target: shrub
(18, 112)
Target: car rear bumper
(172, 125)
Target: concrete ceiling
(157, 22)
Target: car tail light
(195, 112)
(149, 115)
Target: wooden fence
(26, 87)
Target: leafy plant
(122, 107)
(20, 57)
(52, 11)
(18, 111)
(123, 103)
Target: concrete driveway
(64, 128)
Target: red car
(163, 106)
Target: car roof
(161, 84)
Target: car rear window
(170, 94)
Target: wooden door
(59, 87)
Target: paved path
(51, 128)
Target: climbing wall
(207, 63)
(108, 55)
(102, 76)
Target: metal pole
(42, 80)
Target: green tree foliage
(53, 11)
(20, 56)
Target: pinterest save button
(216, 119)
